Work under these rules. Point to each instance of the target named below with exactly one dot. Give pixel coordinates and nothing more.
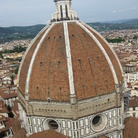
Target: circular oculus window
(99, 122)
(53, 124)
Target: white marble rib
(107, 45)
(33, 58)
(103, 51)
(69, 60)
(30, 45)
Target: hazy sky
(30, 12)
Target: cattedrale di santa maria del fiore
(70, 80)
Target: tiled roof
(26, 63)
(16, 125)
(129, 85)
(49, 75)
(2, 119)
(51, 64)
(111, 56)
(3, 108)
(20, 134)
(48, 134)
(133, 102)
(13, 123)
(15, 108)
(8, 124)
(131, 128)
(92, 74)
(103, 137)
(8, 95)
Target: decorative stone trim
(33, 58)
(103, 51)
(106, 43)
(69, 61)
(46, 124)
(24, 56)
(81, 127)
(99, 122)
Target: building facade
(133, 107)
(70, 80)
(131, 77)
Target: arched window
(66, 11)
(61, 11)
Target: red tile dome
(68, 58)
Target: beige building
(133, 107)
(70, 80)
(13, 55)
(128, 68)
(134, 90)
(131, 77)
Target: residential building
(133, 107)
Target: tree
(12, 78)
(16, 70)
(135, 37)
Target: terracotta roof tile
(8, 95)
(20, 134)
(111, 56)
(49, 77)
(131, 128)
(2, 118)
(103, 137)
(133, 102)
(48, 134)
(8, 124)
(16, 125)
(26, 63)
(3, 108)
(15, 109)
(92, 74)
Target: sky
(32, 12)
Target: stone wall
(66, 110)
(81, 127)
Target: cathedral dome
(70, 80)
(68, 59)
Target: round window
(96, 120)
(53, 124)
(99, 122)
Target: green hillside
(132, 22)
(27, 29)
(120, 25)
(15, 33)
(7, 31)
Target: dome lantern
(63, 11)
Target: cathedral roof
(68, 58)
(48, 134)
(131, 127)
